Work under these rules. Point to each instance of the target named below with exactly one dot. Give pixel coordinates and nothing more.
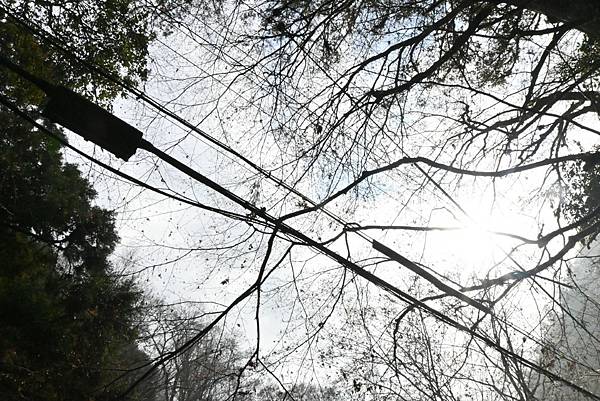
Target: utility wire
(141, 95)
(358, 270)
(45, 36)
(146, 98)
(13, 108)
(303, 238)
(375, 280)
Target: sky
(183, 254)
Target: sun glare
(475, 244)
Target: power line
(448, 196)
(160, 108)
(12, 107)
(284, 228)
(143, 96)
(372, 278)
(355, 268)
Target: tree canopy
(68, 322)
(384, 133)
(378, 117)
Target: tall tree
(65, 316)
(396, 105)
(206, 371)
(68, 323)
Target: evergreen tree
(68, 323)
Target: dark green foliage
(113, 34)
(583, 179)
(64, 315)
(50, 200)
(68, 324)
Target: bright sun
(474, 244)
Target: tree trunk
(583, 14)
